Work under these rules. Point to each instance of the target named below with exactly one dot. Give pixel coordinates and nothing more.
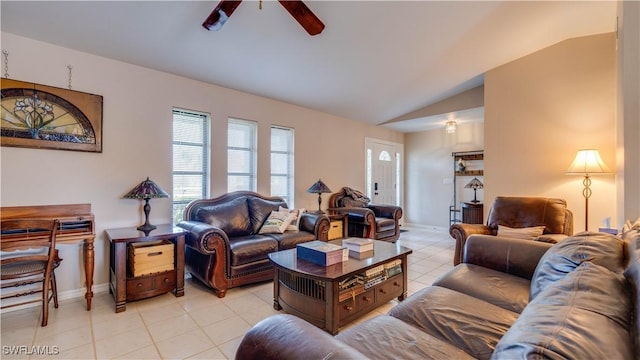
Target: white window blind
(282, 161)
(190, 159)
(241, 155)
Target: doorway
(384, 177)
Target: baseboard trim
(427, 227)
(62, 296)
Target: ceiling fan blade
(220, 14)
(304, 16)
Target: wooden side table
(472, 213)
(123, 285)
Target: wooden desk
(123, 285)
(76, 224)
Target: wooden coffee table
(312, 292)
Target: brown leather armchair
(519, 212)
(366, 220)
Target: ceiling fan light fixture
(450, 127)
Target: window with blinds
(282, 179)
(190, 159)
(241, 155)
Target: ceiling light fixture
(450, 126)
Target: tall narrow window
(241, 155)
(282, 163)
(190, 159)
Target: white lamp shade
(588, 162)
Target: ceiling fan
(296, 8)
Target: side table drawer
(151, 285)
(335, 230)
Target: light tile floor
(198, 325)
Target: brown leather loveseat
(519, 213)
(224, 248)
(508, 299)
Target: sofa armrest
(356, 215)
(460, 232)
(509, 255)
(285, 337)
(203, 237)
(317, 224)
(386, 211)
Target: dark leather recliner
(519, 212)
(366, 220)
(224, 248)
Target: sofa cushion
(295, 223)
(526, 233)
(585, 315)
(259, 210)
(232, 217)
(277, 222)
(470, 324)
(289, 239)
(519, 212)
(385, 337)
(385, 224)
(564, 257)
(632, 273)
(498, 288)
(250, 248)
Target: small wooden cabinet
(126, 287)
(472, 213)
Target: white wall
(628, 111)
(429, 172)
(542, 108)
(137, 143)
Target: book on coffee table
(322, 253)
(358, 244)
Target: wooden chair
(22, 265)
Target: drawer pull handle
(396, 284)
(348, 308)
(383, 291)
(166, 280)
(155, 253)
(139, 285)
(366, 299)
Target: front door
(383, 171)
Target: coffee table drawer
(363, 302)
(390, 289)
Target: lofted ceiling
(375, 61)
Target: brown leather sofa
(519, 212)
(223, 246)
(366, 220)
(508, 299)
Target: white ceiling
(374, 61)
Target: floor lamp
(587, 162)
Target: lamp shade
(589, 162)
(146, 190)
(319, 188)
(474, 184)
